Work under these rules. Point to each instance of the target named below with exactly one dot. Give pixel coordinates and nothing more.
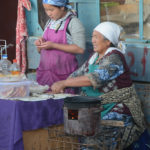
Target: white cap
(110, 30)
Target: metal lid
(81, 102)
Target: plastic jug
(5, 64)
(14, 68)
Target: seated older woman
(107, 75)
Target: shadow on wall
(83, 57)
(42, 15)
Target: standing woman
(63, 38)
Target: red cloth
(121, 109)
(21, 33)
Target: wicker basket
(59, 140)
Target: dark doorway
(8, 18)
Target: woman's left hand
(46, 45)
(58, 87)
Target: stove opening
(72, 114)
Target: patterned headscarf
(110, 30)
(61, 3)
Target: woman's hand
(46, 45)
(39, 41)
(58, 87)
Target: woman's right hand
(38, 42)
(58, 87)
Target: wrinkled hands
(42, 44)
(58, 87)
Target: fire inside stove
(72, 114)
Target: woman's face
(100, 44)
(54, 12)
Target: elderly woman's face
(100, 45)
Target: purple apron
(55, 64)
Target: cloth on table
(19, 116)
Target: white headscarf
(112, 32)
